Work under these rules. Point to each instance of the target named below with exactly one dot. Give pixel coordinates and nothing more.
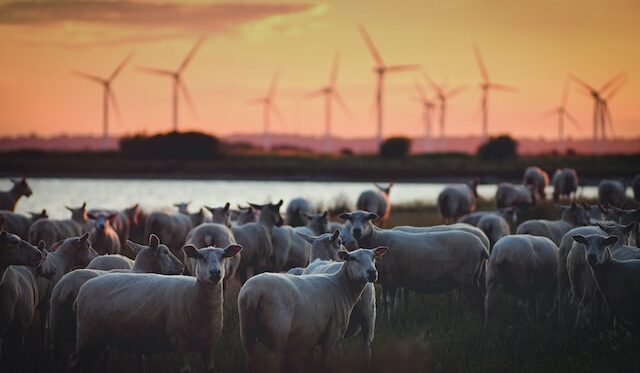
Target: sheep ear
(112, 217)
(84, 237)
(580, 239)
(306, 237)
(191, 252)
(344, 255)
(226, 206)
(68, 208)
(279, 204)
(154, 241)
(15, 181)
(255, 206)
(325, 214)
(379, 251)
(84, 206)
(134, 247)
(611, 240)
(345, 216)
(600, 225)
(629, 227)
(372, 216)
(42, 245)
(231, 250)
(335, 235)
(3, 234)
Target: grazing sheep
(446, 228)
(220, 215)
(18, 295)
(216, 235)
(103, 237)
(612, 192)
(246, 215)
(155, 258)
(565, 183)
(294, 314)
(9, 199)
(618, 281)
(572, 216)
(317, 224)
(109, 262)
(172, 228)
(256, 240)
(509, 214)
(376, 201)
(513, 195)
(155, 313)
(431, 262)
(495, 227)
(50, 231)
(20, 224)
(123, 222)
(526, 266)
(635, 186)
(538, 178)
(457, 200)
(297, 210)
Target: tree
(172, 145)
(501, 147)
(395, 147)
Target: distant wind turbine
(178, 83)
(109, 97)
(562, 113)
(380, 69)
(485, 87)
(443, 95)
(427, 107)
(330, 93)
(268, 107)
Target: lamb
(294, 314)
(256, 240)
(172, 228)
(635, 186)
(297, 210)
(50, 231)
(457, 200)
(61, 333)
(20, 224)
(216, 235)
(526, 266)
(612, 192)
(109, 262)
(431, 262)
(317, 224)
(104, 238)
(565, 183)
(10, 198)
(155, 313)
(220, 215)
(495, 227)
(538, 178)
(18, 295)
(572, 216)
(513, 195)
(618, 281)
(509, 214)
(376, 201)
(446, 228)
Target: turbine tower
(268, 107)
(427, 107)
(178, 83)
(330, 93)
(443, 95)
(485, 86)
(562, 113)
(380, 69)
(109, 97)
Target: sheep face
(270, 213)
(597, 248)
(576, 214)
(22, 187)
(360, 223)
(210, 261)
(79, 213)
(220, 215)
(621, 231)
(360, 264)
(247, 215)
(329, 244)
(183, 207)
(103, 220)
(318, 220)
(132, 213)
(16, 251)
(157, 257)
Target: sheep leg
(329, 345)
(142, 361)
(186, 365)
(207, 359)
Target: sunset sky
(528, 44)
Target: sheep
(109, 262)
(124, 221)
(61, 331)
(20, 224)
(104, 238)
(509, 214)
(526, 266)
(323, 247)
(538, 178)
(246, 215)
(155, 313)
(635, 186)
(572, 216)
(18, 295)
(220, 215)
(137, 227)
(376, 201)
(183, 207)
(50, 231)
(10, 198)
(294, 314)
(172, 228)
(457, 200)
(622, 250)
(514, 195)
(495, 227)
(430, 262)
(256, 240)
(297, 210)
(626, 217)
(212, 234)
(612, 192)
(618, 281)
(317, 224)
(445, 228)
(565, 183)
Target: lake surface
(53, 194)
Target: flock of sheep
(154, 282)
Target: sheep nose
(592, 259)
(214, 275)
(356, 233)
(372, 275)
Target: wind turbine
(443, 95)
(109, 96)
(330, 93)
(268, 107)
(606, 120)
(427, 106)
(562, 113)
(485, 87)
(178, 83)
(380, 69)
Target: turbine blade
(94, 78)
(611, 81)
(456, 91)
(421, 93)
(582, 83)
(371, 46)
(256, 101)
(151, 70)
(435, 86)
(565, 93)
(334, 70)
(192, 53)
(274, 109)
(608, 118)
(121, 66)
(316, 93)
(549, 113)
(572, 119)
(401, 68)
(114, 103)
(615, 90)
(502, 87)
(274, 83)
(343, 104)
(483, 69)
(189, 99)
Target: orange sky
(529, 44)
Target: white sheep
(538, 178)
(256, 240)
(515, 195)
(565, 183)
(109, 262)
(153, 313)
(51, 231)
(294, 314)
(446, 228)
(626, 217)
(172, 228)
(297, 210)
(220, 215)
(495, 227)
(103, 237)
(245, 215)
(526, 266)
(10, 198)
(612, 192)
(325, 246)
(509, 214)
(376, 201)
(124, 221)
(19, 224)
(216, 235)
(317, 224)
(572, 216)
(457, 200)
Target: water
(54, 194)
